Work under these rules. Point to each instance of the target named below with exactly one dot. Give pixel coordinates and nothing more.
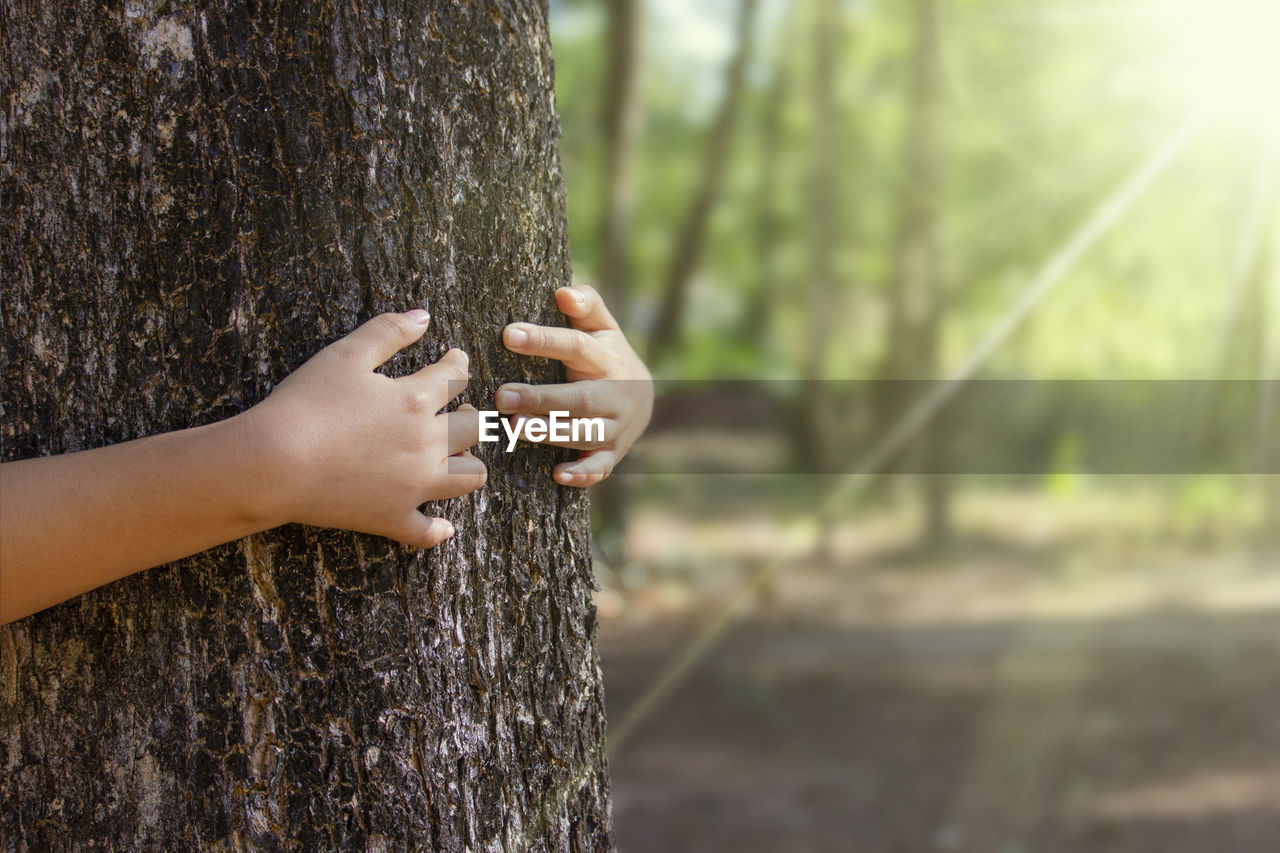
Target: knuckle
(458, 363)
(391, 323)
(404, 494)
(418, 402)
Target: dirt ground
(1035, 689)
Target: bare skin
(336, 444)
(606, 380)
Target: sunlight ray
(804, 534)
(1248, 249)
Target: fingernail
(578, 296)
(448, 530)
(516, 336)
(507, 399)
(419, 315)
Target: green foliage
(1044, 110)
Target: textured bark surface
(197, 197)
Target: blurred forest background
(847, 601)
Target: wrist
(257, 468)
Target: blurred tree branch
(619, 119)
(667, 328)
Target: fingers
(582, 399)
(464, 428)
(577, 349)
(585, 308)
(587, 470)
(463, 473)
(418, 531)
(372, 343)
(439, 383)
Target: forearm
(335, 444)
(71, 523)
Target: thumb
(382, 337)
(418, 531)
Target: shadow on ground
(1152, 729)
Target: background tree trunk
(669, 323)
(619, 117)
(824, 232)
(197, 197)
(620, 114)
(915, 292)
(758, 317)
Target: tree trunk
(1268, 405)
(619, 116)
(823, 235)
(197, 197)
(768, 220)
(915, 300)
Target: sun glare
(1218, 54)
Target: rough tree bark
(196, 197)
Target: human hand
(351, 448)
(606, 380)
